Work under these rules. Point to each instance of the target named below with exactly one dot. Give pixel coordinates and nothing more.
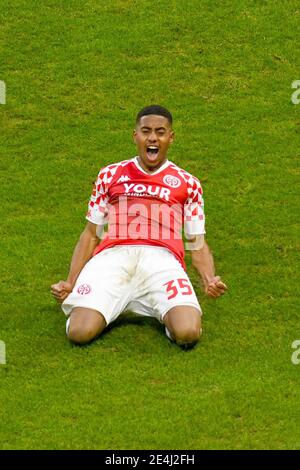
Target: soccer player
(138, 266)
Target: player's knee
(79, 335)
(188, 336)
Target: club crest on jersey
(172, 181)
(84, 289)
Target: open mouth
(152, 152)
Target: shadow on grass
(125, 320)
(129, 318)
(132, 319)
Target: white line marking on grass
(2, 92)
(2, 353)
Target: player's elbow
(87, 237)
(90, 233)
(196, 244)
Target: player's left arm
(203, 261)
(194, 227)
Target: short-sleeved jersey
(147, 209)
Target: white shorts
(142, 279)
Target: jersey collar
(162, 168)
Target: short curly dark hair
(154, 109)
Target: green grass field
(76, 74)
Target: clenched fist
(61, 290)
(215, 287)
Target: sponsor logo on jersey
(172, 181)
(147, 190)
(84, 289)
(123, 178)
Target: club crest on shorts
(84, 289)
(172, 181)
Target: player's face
(153, 135)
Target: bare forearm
(81, 255)
(204, 263)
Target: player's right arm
(82, 254)
(88, 240)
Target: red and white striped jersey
(147, 209)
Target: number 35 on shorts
(178, 285)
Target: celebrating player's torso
(146, 209)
